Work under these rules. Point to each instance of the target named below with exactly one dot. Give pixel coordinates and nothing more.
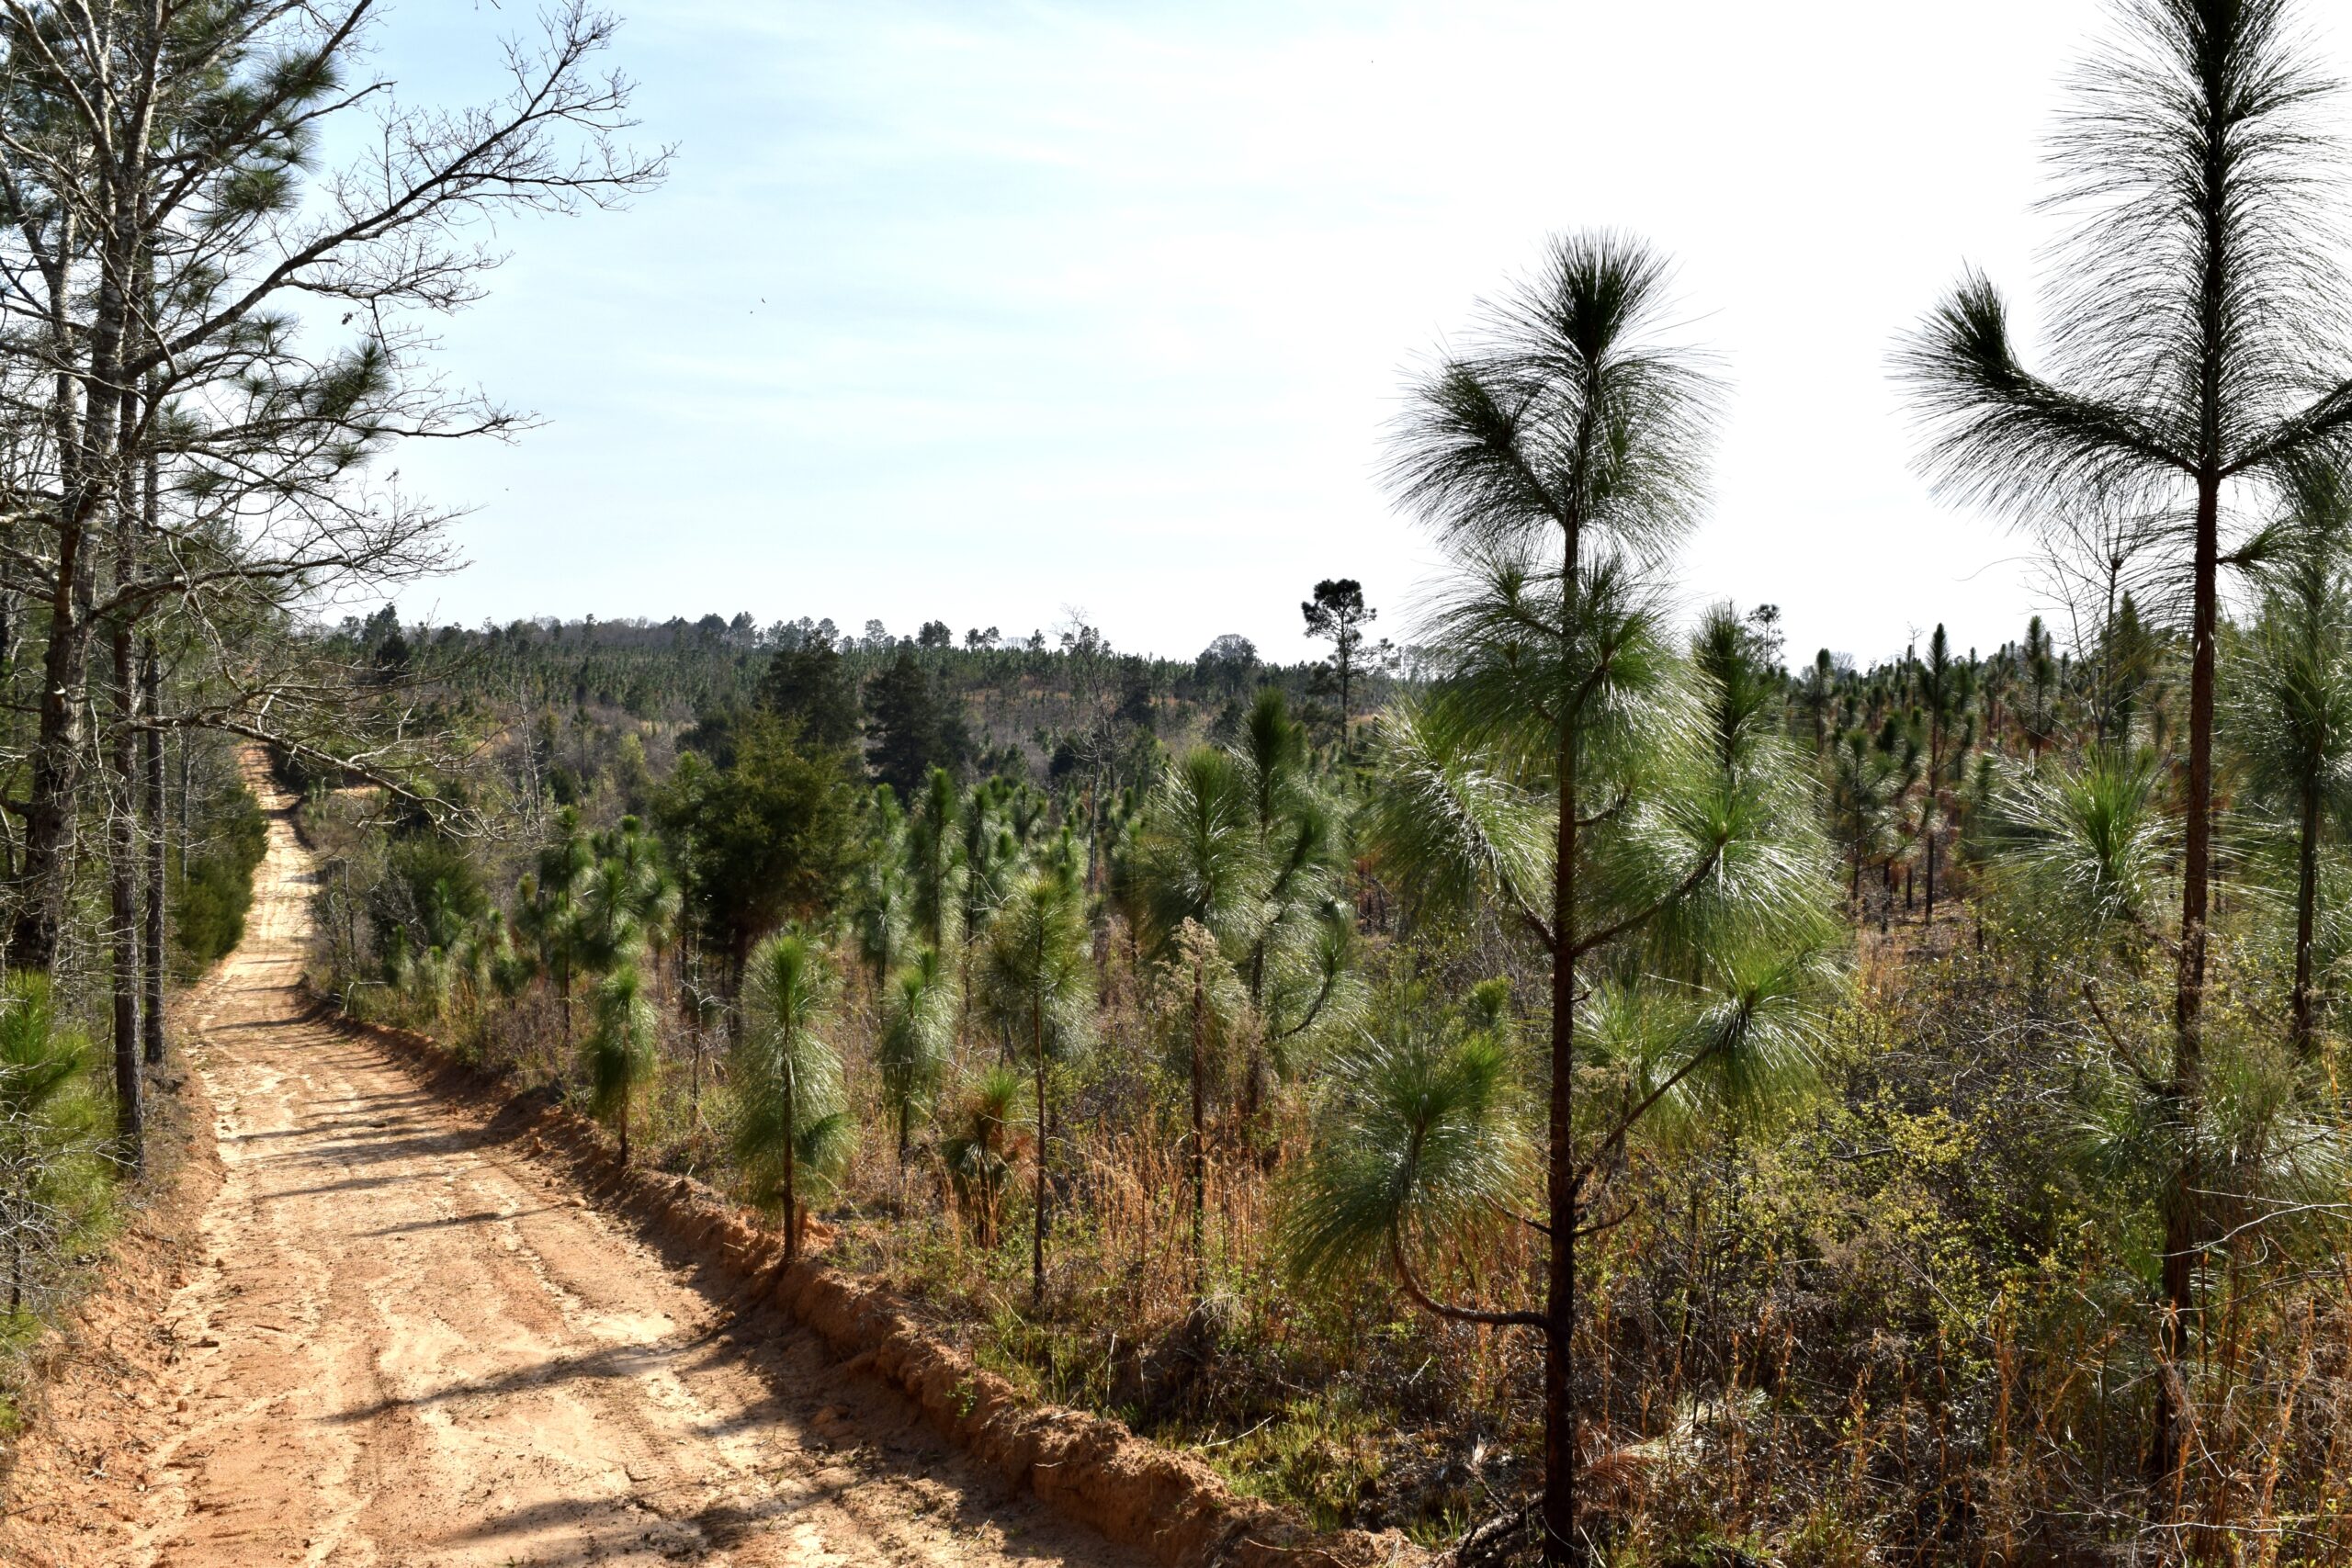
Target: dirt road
(407, 1344)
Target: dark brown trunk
(56, 767)
(2306, 902)
(57, 747)
(1560, 1542)
(2184, 1224)
(1347, 742)
(1038, 1235)
(122, 900)
(1935, 778)
(122, 796)
(1929, 917)
(791, 1167)
(150, 800)
(1253, 1077)
(92, 450)
(1199, 1150)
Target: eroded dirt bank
(400, 1342)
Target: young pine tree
(911, 1053)
(617, 1055)
(1570, 768)
(2197, 352)
(1038, 979)
(792, 1133)
(2288, 720)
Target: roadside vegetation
(1587, 1082)
(1190, 1071)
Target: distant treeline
(979, 705)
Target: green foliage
(212, 885)
(791, 1131)
(979, 1147)
(617, 1057)
(911, 1052)
(762, 840)
(433, 891)
(934, 862)
(912, 724)
(1450, 828)
(1199, 857)
(56, 1181)
(2288, 718)
(1036, 978)
(1037, 982)
(1422, 1144)
(624, 902)
(879, 894)
(809, 685)
(2087, 848)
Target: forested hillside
(1045, 706)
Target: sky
(994, 312)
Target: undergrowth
(1902, 1319)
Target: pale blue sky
(978, 311)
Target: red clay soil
(402, 1320)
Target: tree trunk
(2183, 1211)
(791, 1164)
(57, 747)
(1930, 918)
(1037, 1236)
(2306, 902)
(122, 819)
(1199, 1152)
(1347, 742)
(152, 961)
(964, 1005)
(1253, 1077)
(693, 1078)
(737, 960)
(56, 766)
(1935, 778)
(1561, 1542)
(122, 890)
(90, 448)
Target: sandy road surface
(410, 1346)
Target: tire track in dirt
(407, 1347)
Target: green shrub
(213, 887)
